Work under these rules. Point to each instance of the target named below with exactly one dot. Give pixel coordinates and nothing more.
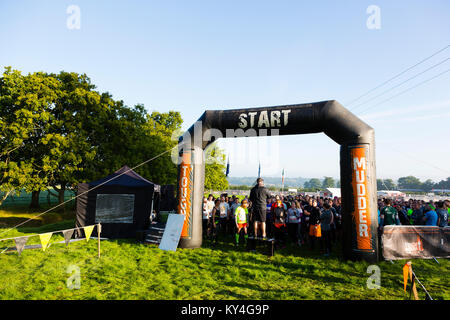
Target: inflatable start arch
(357, 162)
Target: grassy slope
(128, 270)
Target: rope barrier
(97, 186)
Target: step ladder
(154, 234)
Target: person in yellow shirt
(241, 219)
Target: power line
(404, 91)
(398, 85)
(397, 75)
(424, 162)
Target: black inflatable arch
(357, 163)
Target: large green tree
(409, 182)
(443, 184)
(313, 183)
(328, 182)
(57, 131)
(25, 104)
(386, 184)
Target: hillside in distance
(268, 181)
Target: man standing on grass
(258, 197)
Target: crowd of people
(303, 219)
(413, 212)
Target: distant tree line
(412, 183)
(403, 183)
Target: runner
(241, 219)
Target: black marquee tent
(121, 202)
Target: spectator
(215, 222)
(205, 217)
(279, 222)
(442, 213)
(402, 214)
(417, 214)
(210, 204)
(388, 215)
(431, 216)
(338, 218)
(269, 217)
(326, 220)
(314, 224)
(293, 219)
(299, 224)
(224, 215)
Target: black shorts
(259, 214)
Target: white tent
(331, 192)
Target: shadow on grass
(32, 224)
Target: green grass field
(128, 270)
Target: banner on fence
(415, 242)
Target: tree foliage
(328, 182)
(56, 130)
(313, 183)
(215, 167)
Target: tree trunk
(34, 200)
(61, 192)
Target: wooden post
(99, 230)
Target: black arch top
(329, 117)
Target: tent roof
(125, 177)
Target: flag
(45, 239)
(88, 232)
(259, 170)
(282, 177)
(228, 167)
(20, 244)
(405, 275)
(68, 235)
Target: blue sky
(196, 55)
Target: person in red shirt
(279, 221)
